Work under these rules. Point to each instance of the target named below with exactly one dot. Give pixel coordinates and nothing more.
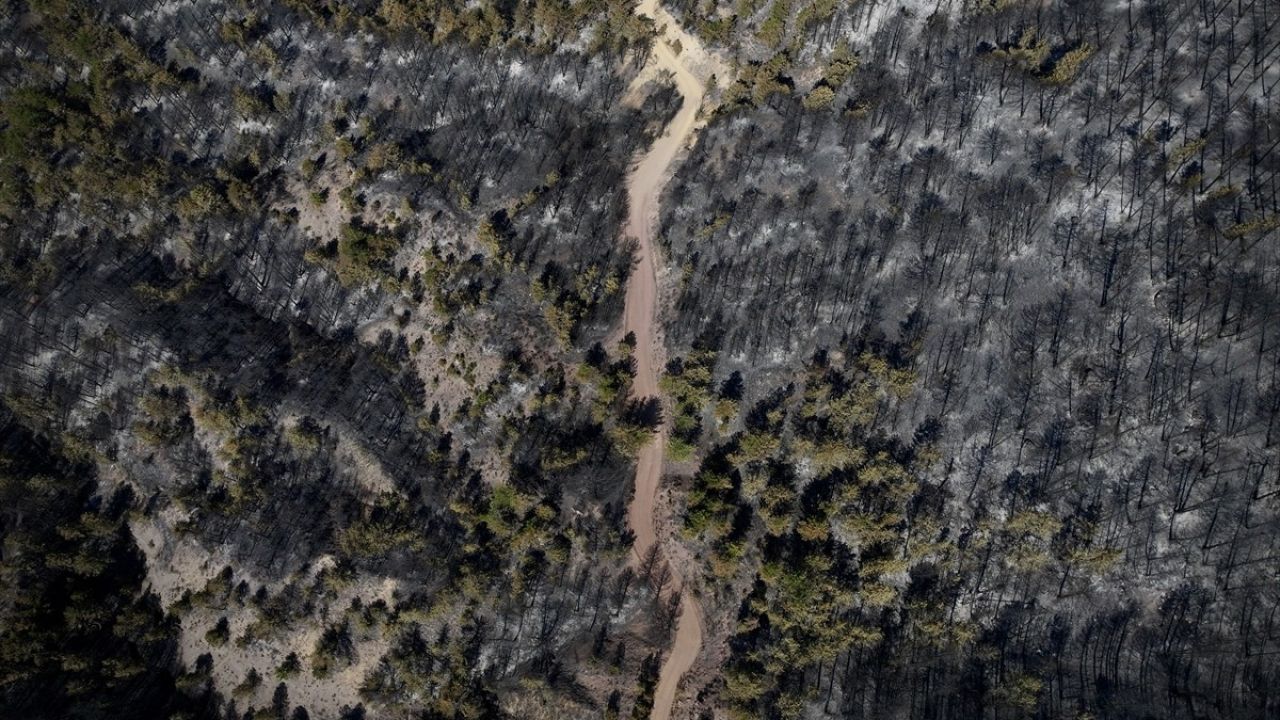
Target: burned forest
(692, 359)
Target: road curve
(644, 187)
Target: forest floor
(691, 66)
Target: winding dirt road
(690, 69)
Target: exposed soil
(689, 69)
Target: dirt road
(690, 70)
